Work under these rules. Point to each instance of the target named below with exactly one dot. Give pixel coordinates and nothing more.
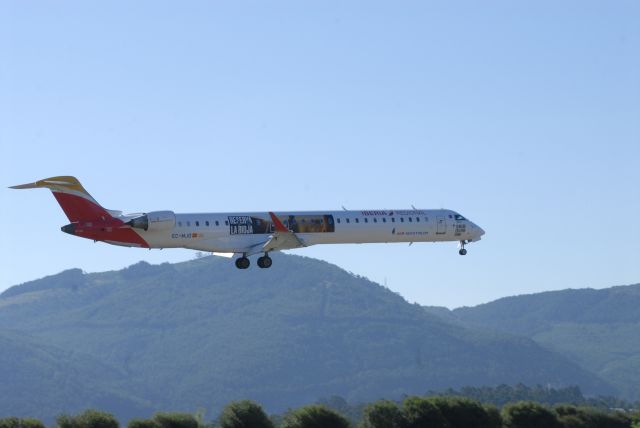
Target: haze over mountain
(201, 333)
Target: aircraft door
(441, 227)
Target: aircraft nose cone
(477, 231)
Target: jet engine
(154, 221)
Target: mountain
(599, 329)
(202, 333)
(40, 381)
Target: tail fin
(75, 201)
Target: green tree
(88, 419)
(142, 423)
(175, 420)
(31, 423)
(244, 414)
(570, 417)
(420, 412)
(340, 405)
(527, 414)
(13, 422)
(462, 412)
(383, 414)
(584, 417)
(495, 420)
(315, 416)
(611, 420)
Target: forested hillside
(599, 329)
(201, 333)
(42, 380)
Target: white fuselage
(237, 232)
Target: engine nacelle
(154, 221)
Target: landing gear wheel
(265, 262)
(462, 251)
(242, 263)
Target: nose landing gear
(462, 251)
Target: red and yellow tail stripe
(75, 201)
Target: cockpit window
(459, 217)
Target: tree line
(504, 394)
(412, 412)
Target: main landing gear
(462, 251)
(264, 262)
(243, 262)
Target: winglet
(278, 224)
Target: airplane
(241, 235)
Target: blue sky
(523, 116)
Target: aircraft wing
(281, 239)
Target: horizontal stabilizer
(25, 186)
(74, 200)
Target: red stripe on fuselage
(94, 222)
(112, 230)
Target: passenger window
(375, 220)
(418, 219)
(401, 219)
(347, 220)
(226, 222)
(393, 219)
(410, 219)
(366, 220)
(384, 219)
(217, 223)
(357, 220)
(338, 221)
(179, 224)
(206, 223)
(197, 223)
